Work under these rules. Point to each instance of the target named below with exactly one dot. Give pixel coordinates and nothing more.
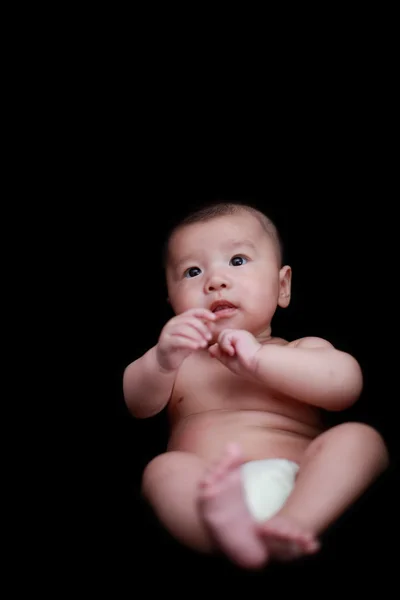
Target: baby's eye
(238, 260)
(192, 272)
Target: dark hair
(220, 209)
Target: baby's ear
(285, 281)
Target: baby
(250, 471)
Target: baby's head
(231, 252)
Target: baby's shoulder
(310, 342)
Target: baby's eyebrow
(238, 243)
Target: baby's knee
(170, 467)
(356, 437)
(363, 436)
(360, 432)
(156, 470)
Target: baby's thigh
(176, 473)
(170, 484)
(350, 437)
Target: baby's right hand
(182, 335)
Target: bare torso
(210, 406)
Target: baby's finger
(226, 345)
(181, 341)
(202, 313)
(201, 327)
(214, 351)
(190, 331)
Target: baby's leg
(170, 482)
(336, 470)
(195, 501)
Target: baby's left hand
(236, 349)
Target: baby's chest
(210, 384)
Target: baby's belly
(260, 434)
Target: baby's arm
(312, 371)
(147, 387)
(148, 381)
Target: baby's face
(229, 258)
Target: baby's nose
(216, 283)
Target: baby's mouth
(220, 305)
(223, 309)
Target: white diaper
(267, 485)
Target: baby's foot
(286, 539)
(223, 509)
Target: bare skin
(223, 377)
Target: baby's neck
(265, 336)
